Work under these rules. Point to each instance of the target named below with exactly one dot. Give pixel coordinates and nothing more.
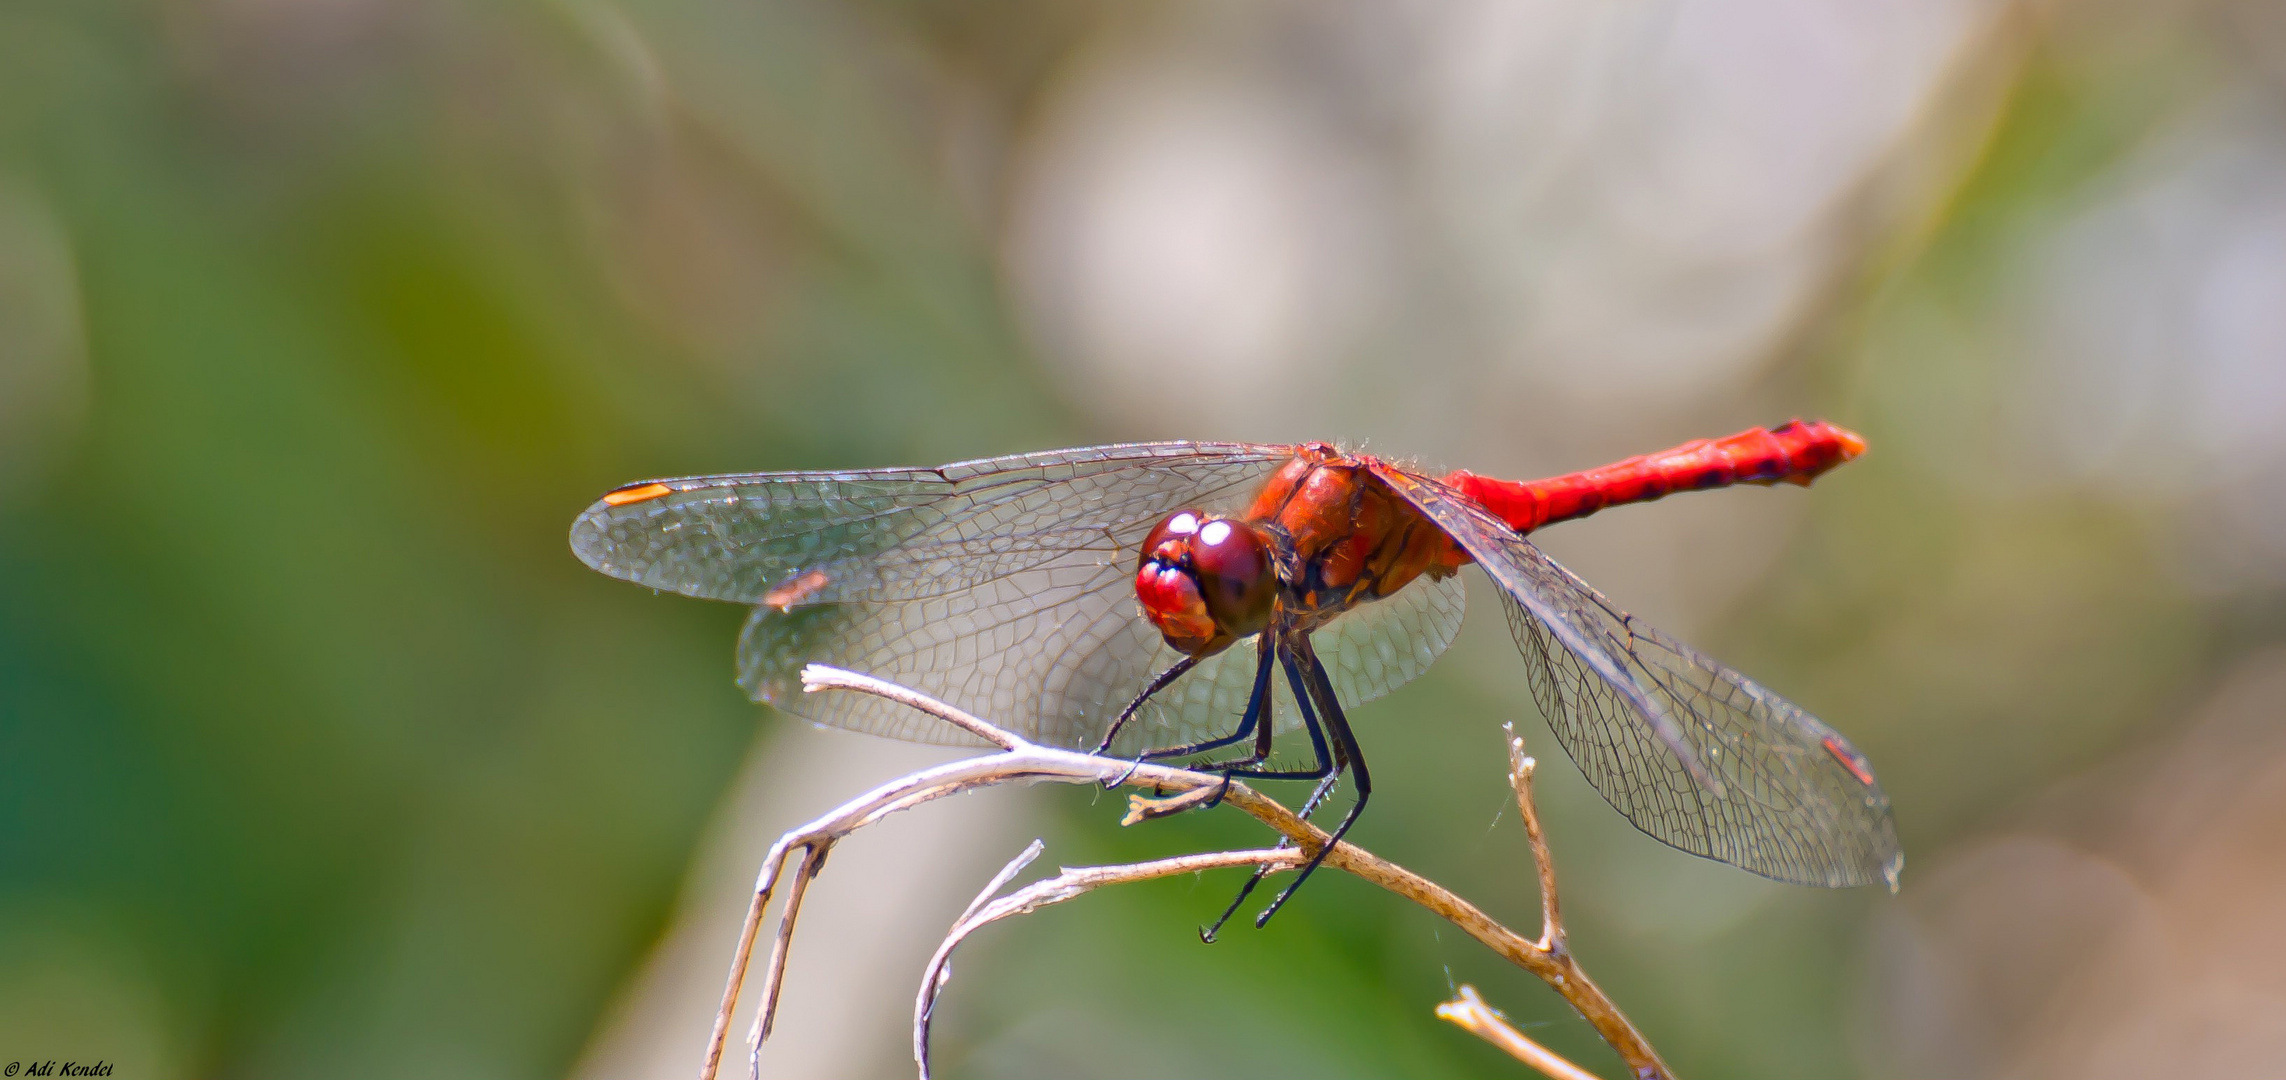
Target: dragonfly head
(1205, 581)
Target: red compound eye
(1205, 581)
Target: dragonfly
(1143, 599)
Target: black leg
(1260, 704)
(1345, 742)
(1230, 765)
(1258, 708)
(1257, 703)
(1328, 772)
(1245, 766)
(1262, 735)
(1157, 684)
(1327, 765)
(1325, 788)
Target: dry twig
(1473, 1014)
(1068, 883)
(1020, 760)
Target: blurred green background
(319, 319)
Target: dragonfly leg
(1257, 703)
(1345, 745)
(1327, 773)
(1309, 806)
(1229, 765)
(1157, 684)
(1262, 740)
(1263, 734)
(1325, 766)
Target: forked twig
(1021, 760)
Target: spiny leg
(1256, 702)
(1327, 765)
(1157, 684)
(1328, 773)
(1262, 742)
(1309, 806)
(1245, 766)
(1345, 743)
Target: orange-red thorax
(1347, 538)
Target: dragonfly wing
(891, 533)
(1790, 798)
(1003, 586)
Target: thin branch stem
(774, 973)
(1480, 1019)
(1472, 1013)
(1521, 768)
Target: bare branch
(774, 973)
(1021, 760)
(940, 966)
(1067, 884)
(816, 677)
(1476, 1017)
(1520, 770)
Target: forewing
(1003, 586)
(893, 533)
(1692, 752)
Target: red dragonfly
(1141, 598)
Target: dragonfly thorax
(1345, 538)
(1206, 581)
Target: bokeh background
(319, 319)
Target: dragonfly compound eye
(1205, 582)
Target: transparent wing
(1693, 753)
(900, 534)
(1004, 586)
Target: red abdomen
(1794, 452)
